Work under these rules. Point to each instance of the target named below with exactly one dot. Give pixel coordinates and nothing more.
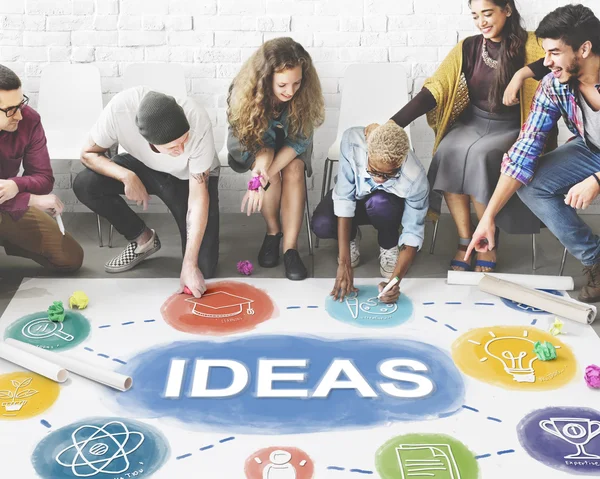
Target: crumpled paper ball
(545, 351)
(56, 312)
(592, 376)
(245, 267)
(78, 300)
(556, 327)
(187, 290)
(254, 184)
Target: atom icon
(107, 446)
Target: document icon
(427, 461)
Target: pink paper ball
(187, 290)
(592, 376)
(245, 267)
(254, 184)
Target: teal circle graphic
(38, 330)
(101, 447)
(364, 310)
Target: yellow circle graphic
(24, 395)
(504, 356)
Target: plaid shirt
(551, 101)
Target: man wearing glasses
(26, 229)
(382, 183)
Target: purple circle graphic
(567, 439)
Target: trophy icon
(576, 431)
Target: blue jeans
(556, 173)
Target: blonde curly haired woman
(274, 105)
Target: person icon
(280, 467)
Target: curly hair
(251, 101)
(389, 144)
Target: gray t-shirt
(591, 122)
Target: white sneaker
(354, 249)
(387, 261)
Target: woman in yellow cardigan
(473, 128)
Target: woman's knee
(294, 171)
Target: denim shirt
(353, 183)
(243, 159)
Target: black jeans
(102, 195)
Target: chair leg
(534, 252)
(110, 235)
(323, 186)
(307, 216)
(562, 263)
(435, 231)
(99, 231)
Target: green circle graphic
(444, 456)
(38, 330)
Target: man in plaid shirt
(554, 185)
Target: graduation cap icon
(220, 304)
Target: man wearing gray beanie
(170, 154)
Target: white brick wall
(211, 38)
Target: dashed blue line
(105, 326)
(483, 456)
(450, 327)
(227, 439)
(127, 323)
(485, 304)
(358, 471)
(206, 448)
(453, 302)
(495, 419)
(429, 303)
(534, 321)
(89, 349)
(45, 423)
(149, 320)
(293, 307)
(312, 307)
(119, 361)
(103, 355)
(470, 408)
(507, 451)
(183, 457)
(431, 319)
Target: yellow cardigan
(449, 88)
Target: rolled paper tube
(468, 278)
(76, 366)
(33, 362)
(563, 307)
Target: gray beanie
(160, 119)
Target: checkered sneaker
(131, 255)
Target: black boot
(294, 267)
(268, 256)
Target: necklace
(486, 57)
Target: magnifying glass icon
(44, 328)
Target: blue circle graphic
(101, 447)
(526, 308)
(364, 310)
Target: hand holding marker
(388, 286)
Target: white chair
(70, 102)
(364, 101)
(223, 154)
(168, 78)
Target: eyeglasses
(12, 111)
(385, 176)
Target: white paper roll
(564, 307)
(100, 375)
(33, 362)
(469, 278)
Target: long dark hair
(512, 53)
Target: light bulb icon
(516, 355)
